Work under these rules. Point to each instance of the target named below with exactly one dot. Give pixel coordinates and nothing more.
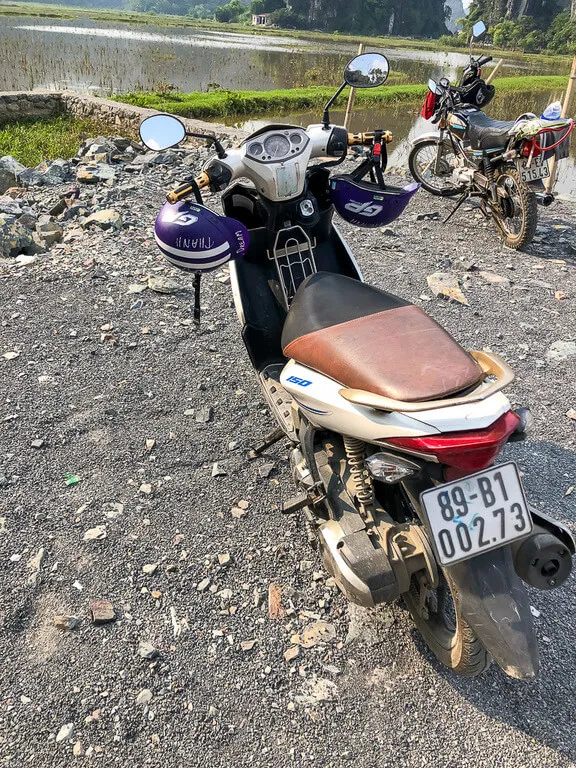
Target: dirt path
(101, 372)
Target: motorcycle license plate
(538, 169)
(477, 513)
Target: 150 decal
(298, 381)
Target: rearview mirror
(432, 86)
(478, 29)
(369, 70)
(159, 132)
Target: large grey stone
(7, 180)
(106, 219)
(49, 230)
(45, 174)
(14, 239)
(92, 173)
(10, 163)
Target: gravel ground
(101, 373)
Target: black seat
(326, 299)
(368, 339)
(486, 133)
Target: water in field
(102, 57)
(106, 56)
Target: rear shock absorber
(356, 455)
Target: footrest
(295, 504)
(279, 400)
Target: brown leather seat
(368, 339)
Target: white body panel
(281, 177)
(319, 399)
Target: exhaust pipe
(545, 198)
(542, 559)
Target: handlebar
(481, 62)
(203, 181)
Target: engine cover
(463, 177)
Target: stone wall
(120, 117)
(16, 104)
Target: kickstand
(197, 276)
(269, 440)
(456, 207)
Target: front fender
(434, 135)
(495, 604)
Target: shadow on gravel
(543, 708)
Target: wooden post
(551, 183)
(352, 96)
(492, 74)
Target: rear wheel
(438, 617)
(517, 215)
(432, 171)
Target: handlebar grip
(483, 61)
(187, 187)
(366, 139)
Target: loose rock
(66, 623)
(445, 285)
(65, 732)
(102, 611)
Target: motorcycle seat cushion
(487, 133)
(369, 339)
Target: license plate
(477, 513)
(538, 169)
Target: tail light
(462, 452)
(531, 146)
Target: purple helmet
(193, 237)
(368, 205)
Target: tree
(286, 18)
(232, 12)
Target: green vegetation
(219, 104)
(410, 17)
(538, 25)
(32, 140)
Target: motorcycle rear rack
(293, 253)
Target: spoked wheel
(433, 172)
(437, 616)
(516, 217)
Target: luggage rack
(293, 253)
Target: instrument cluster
(276, 146)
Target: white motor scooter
(394, 427)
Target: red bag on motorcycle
(429, 106)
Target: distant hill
(458, 12)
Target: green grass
(32, 140)
(219, 104)
(103, 14)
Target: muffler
(544, 558)
(544, 198)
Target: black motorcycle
(502, 163)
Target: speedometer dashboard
(277, 145)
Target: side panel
(318, 397)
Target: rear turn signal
(389, 468)
(468, 451)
